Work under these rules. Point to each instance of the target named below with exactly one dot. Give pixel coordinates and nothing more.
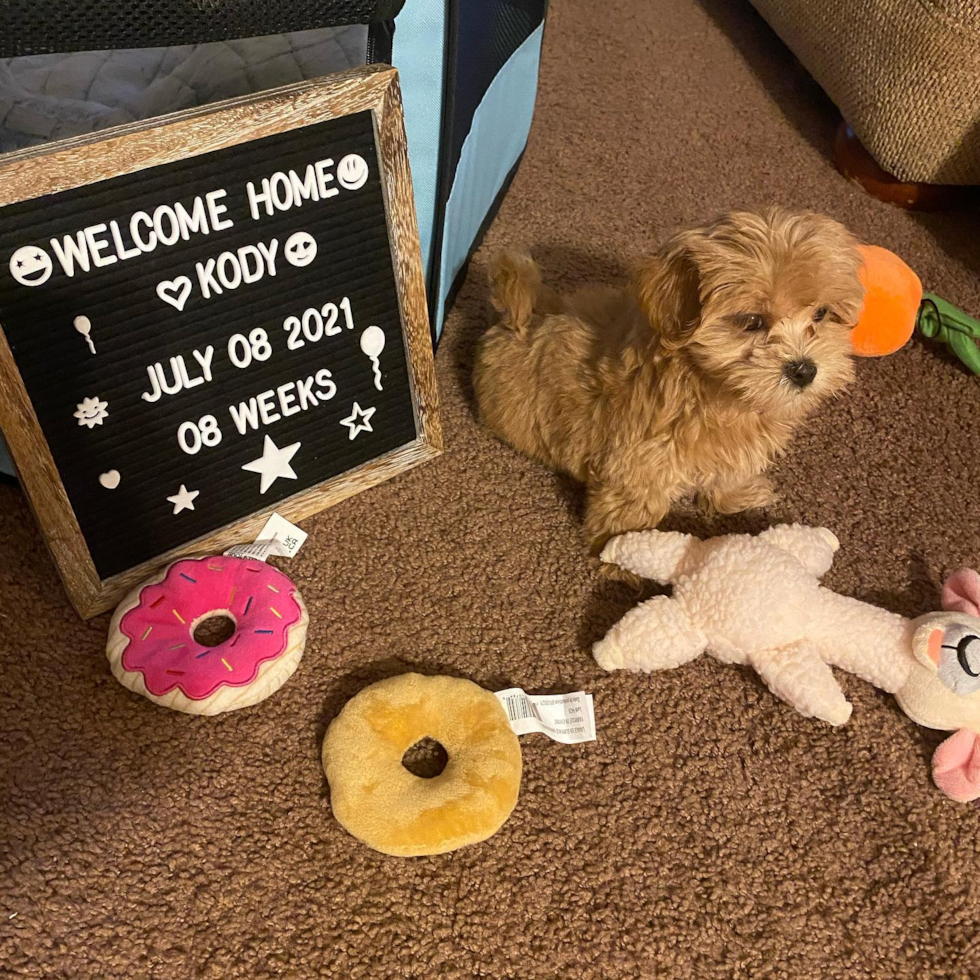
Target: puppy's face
(762, 305)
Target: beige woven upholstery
(904, 73)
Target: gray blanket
(50, 97)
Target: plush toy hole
(426, 758)
(214, 630)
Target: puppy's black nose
(800, 373)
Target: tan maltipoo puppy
(693, 379)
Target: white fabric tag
(277, 537)
(260, 550)
(288, 537)
(567, 718)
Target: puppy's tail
(516, 291)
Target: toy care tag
(568, 718)
(277, 537)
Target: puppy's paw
(731, 498)
(616, 574)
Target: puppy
(692, 379)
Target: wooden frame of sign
(184, 151)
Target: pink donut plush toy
(152, 649)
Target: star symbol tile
(359, 420)
(273, 463)
(183, 499)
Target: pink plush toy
(757, 600)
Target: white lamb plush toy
(758, 600)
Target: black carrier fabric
(57, 26)
(484, 35)
(481, 38)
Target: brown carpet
(711, 832)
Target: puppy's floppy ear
(668, 289)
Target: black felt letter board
(192, 273)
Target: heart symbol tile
(110, 480)
(174, 291)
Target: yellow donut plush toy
(381, 803)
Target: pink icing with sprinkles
(159, 628)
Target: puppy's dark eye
(752, 322)
(819, 313)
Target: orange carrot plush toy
(894, 304)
